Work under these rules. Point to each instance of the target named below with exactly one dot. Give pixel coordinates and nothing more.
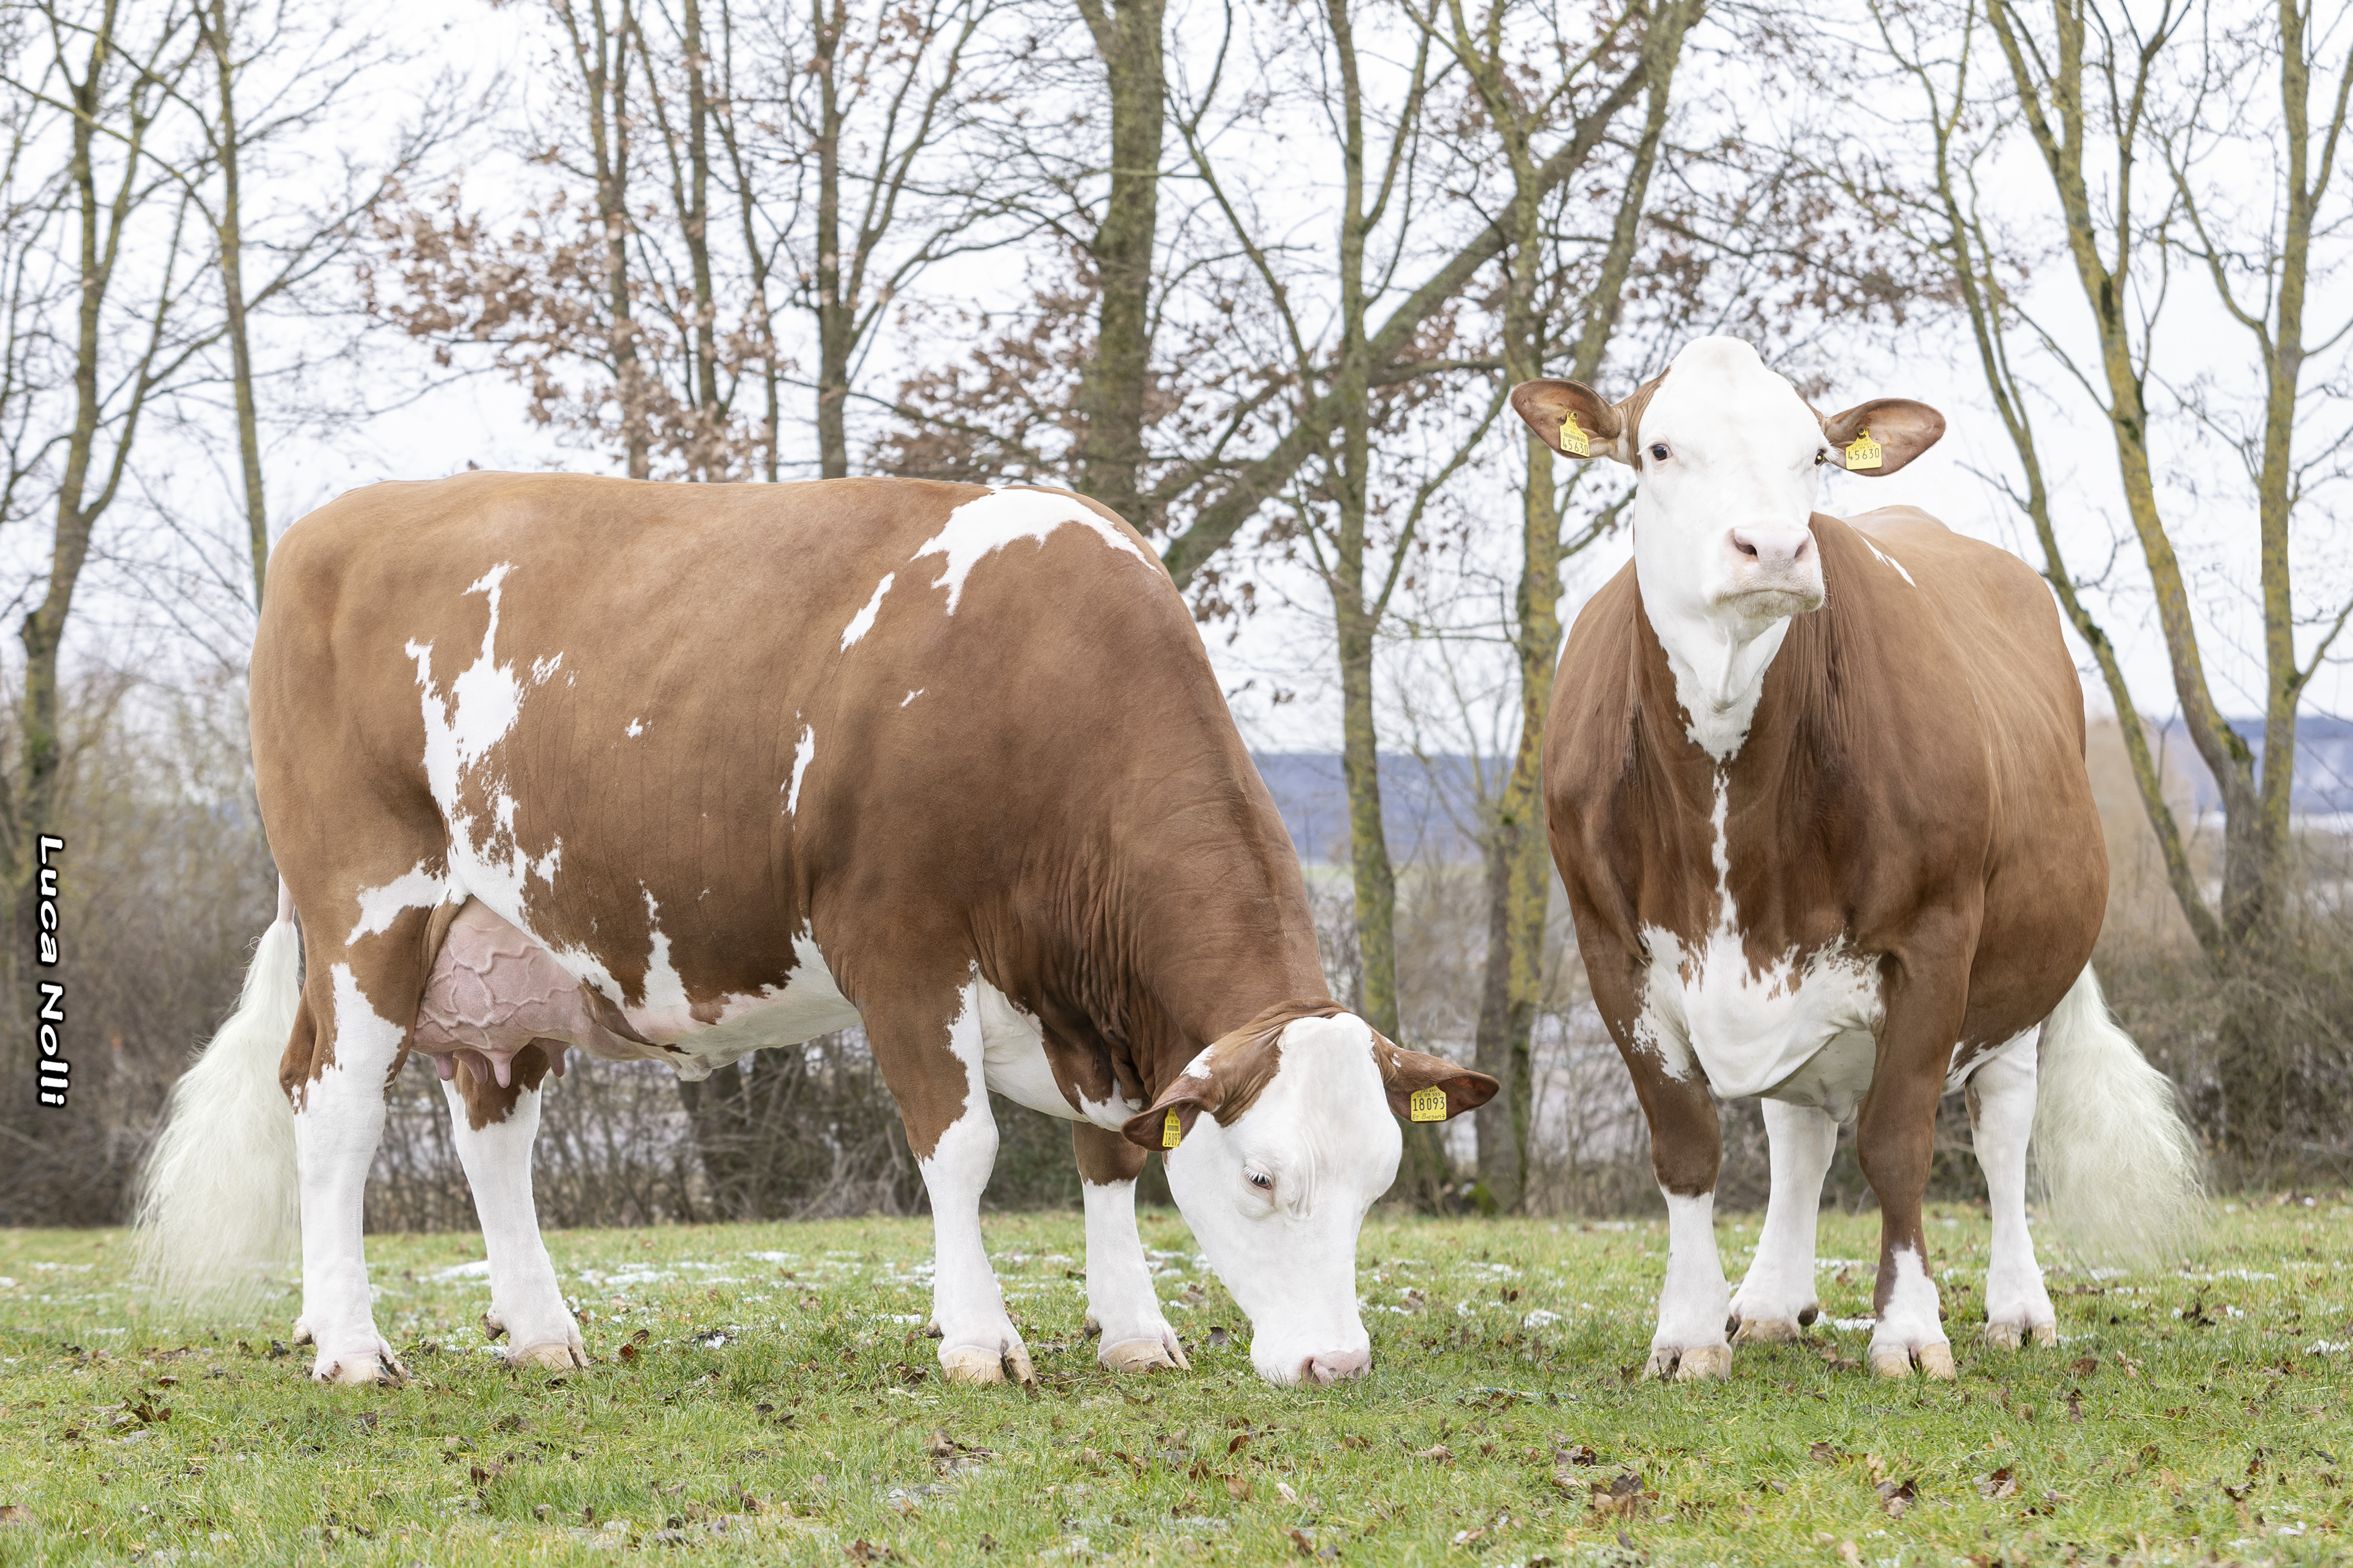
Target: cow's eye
(1259, 1180)
(1657, 451)
(1820, 457)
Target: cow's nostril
(1742, 543)
(1331, 1366)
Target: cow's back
(674, 725)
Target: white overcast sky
(480, 419)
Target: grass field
(765, 1394)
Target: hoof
(974, 1365)
(491, 1328)
(1144, 1355)
(1764, 1332)
(2010, 1336)
(554, 1354)
(1695, 1364)
(361, 1368)
(1896, 1361)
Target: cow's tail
(220, 1200)
(2119, 1173)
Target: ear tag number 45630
(1427, 1105)
(1862, 452)
(1172, 1130)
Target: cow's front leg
(1895, 1139)
(1121, 1302)
(337, 1071)
(2001, 1118)
(1777, 1297)
(494, 1129)
(1686, 1152)
(936, 1076)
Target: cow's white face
(1276, 1192)
(1731, 461)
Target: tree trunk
(834, 314)
(1518, 858)
(230, 236)
(1113, 385)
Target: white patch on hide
(980, 528)
(637, 727)
(1885, 557)
(413, 889)
(1753, 1031)
(803, 750)
(463, 728)
(911, 697)
(864, 621)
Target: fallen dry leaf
(1998, 1485)
(2084, 1365)
(1239, 1487)
(1896, 1501)
(1437, 1453)
(15, 1513)
(1849, 1555)
(1824, 1452)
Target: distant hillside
(1431, 807)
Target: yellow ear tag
(1572, 439)
(1426, 1105)
(1172, 1131)
(1862, 452)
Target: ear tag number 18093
(1426, 1105)
(1572, 439)
(1862, 452)
(1172, 1130)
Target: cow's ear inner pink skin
(1903, 429)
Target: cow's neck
(1198, 976)
(1718, 658)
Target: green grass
(1503, 1422)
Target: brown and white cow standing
(1817, 791)
(681, 772)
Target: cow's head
(1285, 1134)
(1731, 461)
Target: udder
(494, 991)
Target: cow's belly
(1796, 1029)
(494, 990)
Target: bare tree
(2144, 132)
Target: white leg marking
(1909, 1330)
(1119, 1298)
(526, 1303)
(1776, 1299)
(977, 1341)
(2018, 1306)
(337, 1124)
(1689, 1343)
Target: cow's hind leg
(936, 1076)
(494, 1128)
(1776, 1298)
(2001, 1116)
(350, 1037)
(1121, 1302)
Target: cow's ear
(1423, 1087)
(1877, 437)
(1172, 1115)
(1571, 417)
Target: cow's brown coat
(1066, 805)
(1913, 783)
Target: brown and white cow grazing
(680, 773)
(1817, 791)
